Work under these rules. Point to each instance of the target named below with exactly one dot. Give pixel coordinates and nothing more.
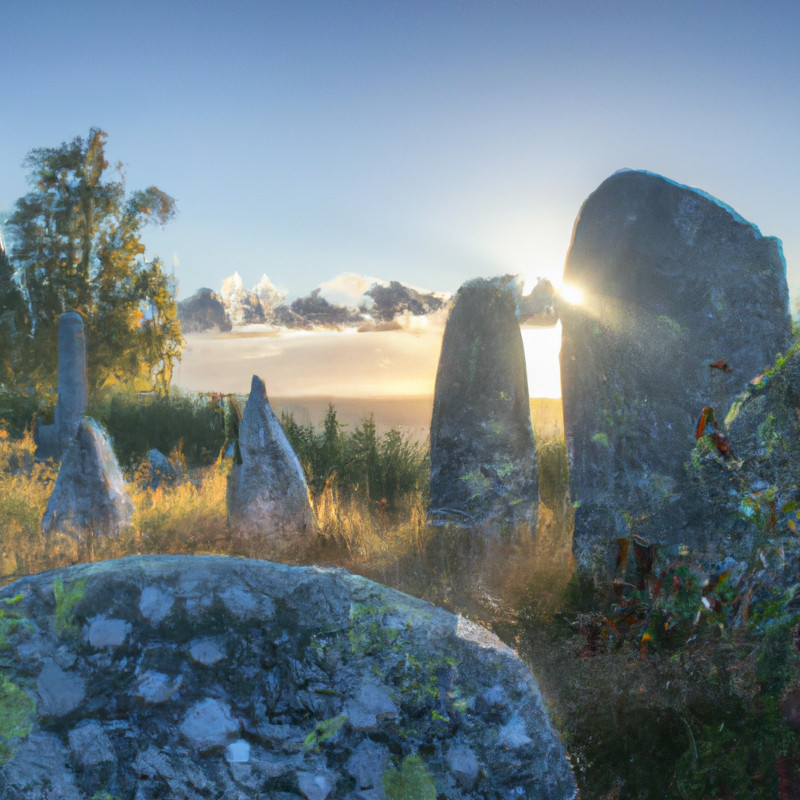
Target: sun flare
(571, 293)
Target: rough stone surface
(162, 470)
(673, 281)
(483, 457)
(53, 440)
(268, 503)
(271, 719)
(89, 497)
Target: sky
(429, 142)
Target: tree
(13, 319)
(78, 248)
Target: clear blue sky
(426, 141)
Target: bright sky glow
(426, 142)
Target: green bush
(192, 423)
(380, 469)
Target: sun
(571, 293)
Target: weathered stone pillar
(483, 457)
(684, 303)
(53, 440)
(72, 380)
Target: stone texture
(161, 470)
(272, 719)
(53, 440)
(483, 457)
(673, 281)
(89, 497)
(268, 505)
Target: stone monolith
(53, 440)
(684, 303)
(268, 504)
(89, 499)
(483, 457)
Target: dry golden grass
(476, 572)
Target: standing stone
(53, 440)
(483, 457)
(89, 498)
(674, 281)
(267, 494)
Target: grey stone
(53, 440)
(208, 723)
(206, 651)
(483, 457)
(60, 692)
(89, 497)
(268, 504)
(673, 281)
(90, 746)
(272, 718)
(155, 604)
(238, 752)
(102, 632)
(315, 786)
(371, 704)
(162, 470)
(463, 763)
(367, 765)
(39, 771)
(156, 687)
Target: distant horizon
(427, 142)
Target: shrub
(192, 423)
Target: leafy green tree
(13, 319)
(78, 248)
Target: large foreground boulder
(483, 457)
(196, 677)
(685, 302)
(89, 498)
(268, 505)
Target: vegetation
(77, 247)
(666, 681)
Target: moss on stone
(17, 711)
(411, 782)
(66, 601)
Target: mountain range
(347, 301)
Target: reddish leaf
(720, 364)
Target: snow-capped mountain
(346, 301)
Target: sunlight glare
(571, 293)
(542, 349)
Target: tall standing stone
(268, 503)
(483, 457)
(53, 440)
(674, 282)
(89, 499)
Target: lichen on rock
(341, 689)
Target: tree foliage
(78, 248)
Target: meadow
(660, 685)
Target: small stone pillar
(53, 440)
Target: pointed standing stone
(483, 457)
(89, 498)
(268, 501)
